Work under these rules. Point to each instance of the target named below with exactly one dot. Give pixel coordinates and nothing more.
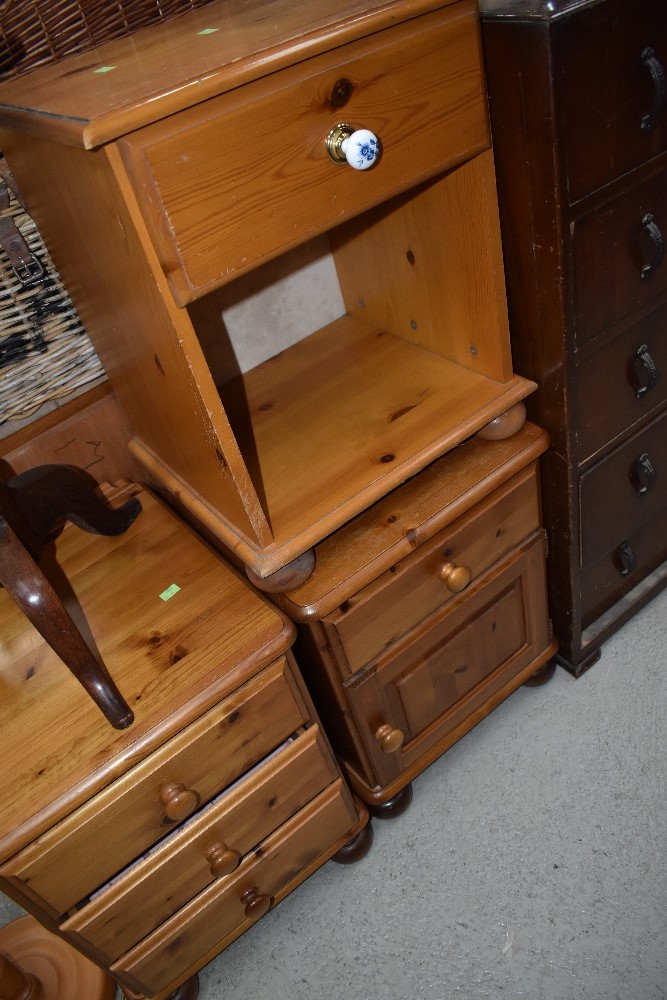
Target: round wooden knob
(455, 577)
(256, 905)
(178, 802)
(222, 860)
(390, 739)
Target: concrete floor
(531, 863)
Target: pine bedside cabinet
(151, 848)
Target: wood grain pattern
(160, 884)
(428, 267)
(178, 64)
(156, 961)
(392, 529)
(173, 659)
(206, 179)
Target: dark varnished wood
(578, 174)
(541, 676)
(356, 848)
(393, 807)
(39, 502)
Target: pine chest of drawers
(579, 119)
(152, 848)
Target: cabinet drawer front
(381, 613)
(220, 911)
(624, 491)
(612, 249)
(456, 662)
(228, 829)
(622, 383)
(247, 175)
(85, 850)
(608, 90)
(644, 552)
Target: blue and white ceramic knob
(359, 148)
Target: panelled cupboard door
(444, 672)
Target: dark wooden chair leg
(34, 506)
(29, 588)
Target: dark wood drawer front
(637, 563)
(379, 615)
(622, 383)
(613, 117)
(623, 491)
(618, 265)
(456, 660)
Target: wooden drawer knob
(222, 860)
(256, 905)
(455, 577)
(178, 802)
(390, 739)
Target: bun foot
(289, 577)
(541, 676)
(505, 425)
(356, 848)
(393, 807)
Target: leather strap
(22, 260)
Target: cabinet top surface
(173, 657)
(93, 97)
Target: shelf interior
(345, 415)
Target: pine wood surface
(395, 526)
(60, 972)
(129, 815)
(154, 889)
(374, 618)
(219, 912)
(173, 65)
(362, 410)
(206, 178)
(186, 653)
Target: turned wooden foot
(38, 965)
(286, 578)
(356, 848)
(505, 425)
(541, 676)
(189, 990)
(393, 807)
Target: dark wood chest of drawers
(577, 97)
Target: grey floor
(531, 863)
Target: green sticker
(104, 69)
(169, 592)
(208, 31)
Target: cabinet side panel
(146, 344)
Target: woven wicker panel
(33, 32)
(45, 353)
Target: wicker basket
(45, 353)
(33, 32)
